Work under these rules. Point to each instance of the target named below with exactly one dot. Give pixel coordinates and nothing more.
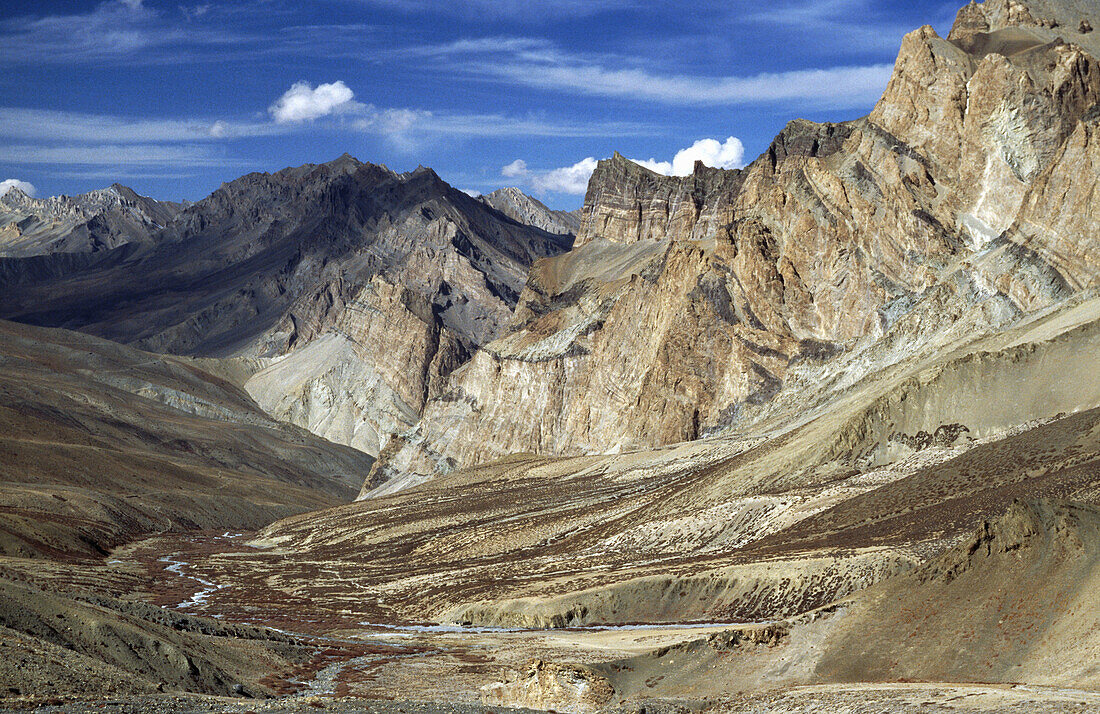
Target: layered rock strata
(686, 302)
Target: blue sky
(173, 99)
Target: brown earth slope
(1014, 602)
(100, 443)
(72, 645)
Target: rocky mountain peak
(424, 171)
(801, 137)
(364, 275)
(89, 222)
(14, 196)
(530, 211)
(346, 158)
(952, 194)
(627, 202)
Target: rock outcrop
(369, 373)
(551, 686)
(686, 301)
(626, 202)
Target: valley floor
(832, 699)
(382, 668)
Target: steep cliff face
(686, 301)
(367, 375)
(988, 110)
(94, 221)
(1058, 219)
(626, 203)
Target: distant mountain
(94, 221)
(400, 274)
(531, 212)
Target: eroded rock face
(1058, 219)
(627, 203)
(686, 300)
(368, 374)
(551, 686)
(988, 110)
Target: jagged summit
(86, 223)
(530, 211)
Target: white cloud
(391, 122)
(218, 130)
(54, 126)
(111, 31)
(833, 87)
(570, 179)
(520, 10)
(496, 44)
(304, 103)
(8, 184)
(534, 62)
(194, 11)
(515, 169)
(841, 26)
(499, 125)
(727, 155)
(115, 155)
(73, 138)
(409, 128)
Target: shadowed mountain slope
(402, 275)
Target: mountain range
(848, 393)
